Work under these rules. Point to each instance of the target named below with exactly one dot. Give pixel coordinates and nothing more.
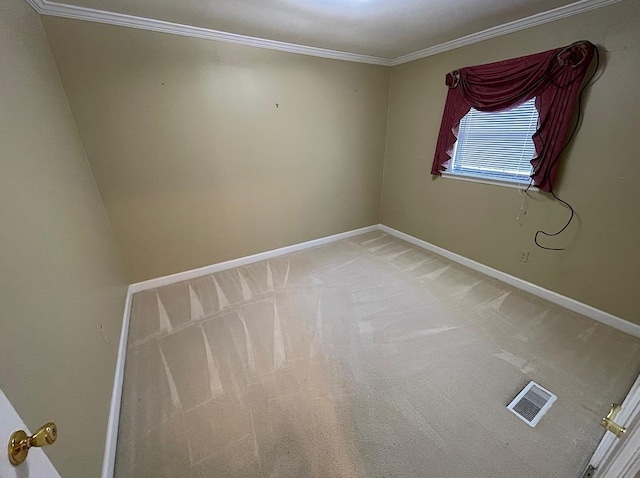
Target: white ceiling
(381, 28)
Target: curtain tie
(452, 79)
(573, 55)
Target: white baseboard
(243, 261)
(109, 462)
(114, 414)
(564, 301)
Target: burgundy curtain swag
(553, 77)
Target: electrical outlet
(523, 256)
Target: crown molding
(576, 8)
(48, 7)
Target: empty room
(319, 238)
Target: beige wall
(194, 161)
(600, 177)
(60, 276)
(196, 165)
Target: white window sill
(492, 182)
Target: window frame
(449, 173)
(492, 182)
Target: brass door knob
(20, 442)
(609, 424)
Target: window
(555, 78)
(496, 145)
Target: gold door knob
(20, 442)
(609, 424)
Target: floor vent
(532, 403)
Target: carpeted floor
(367, 357)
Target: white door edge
(625, 463)
(619, 457)
(37, 464)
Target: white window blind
(496, 145)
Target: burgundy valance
(553, 77)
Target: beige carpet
(365, 357)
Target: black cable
(551, 234)
(548, 169)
